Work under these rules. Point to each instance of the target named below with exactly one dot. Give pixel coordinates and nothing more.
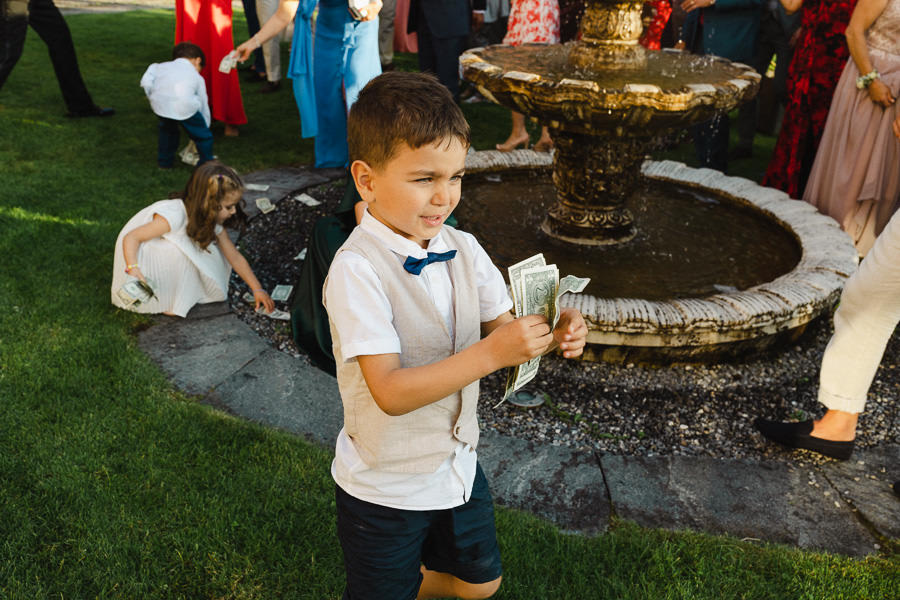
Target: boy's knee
(476, 591)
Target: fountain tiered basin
(705, 266)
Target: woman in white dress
(181, 248)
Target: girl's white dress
(183, 274)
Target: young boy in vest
(418, 314)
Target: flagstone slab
(280, 391)
(199, 354)
(282, 181)
(772, 502)
(865, 482)
(559, 484)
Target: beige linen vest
(419, 441)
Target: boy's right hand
(520, 340)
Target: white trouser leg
(271, 49)
(863, 324)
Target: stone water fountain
(685, 263)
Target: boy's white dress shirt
(362, 317)
(176, 90)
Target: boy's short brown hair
(188, 50)
(399, 107)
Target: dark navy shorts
(384, 547)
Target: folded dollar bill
(229, 61)
(301, 255)
(189, 154)
(256, 187)
(536, 290)
(135, 292)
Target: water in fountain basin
(667, 70)
(688, 244)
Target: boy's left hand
(570, 332)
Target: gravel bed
(701, 410)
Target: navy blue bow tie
(415, 265)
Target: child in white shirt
(418, 314)
(177, 95)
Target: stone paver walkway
(846, 508)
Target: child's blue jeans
(169, 136)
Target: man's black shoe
(797, 435)
(91, 112)
(269, 87)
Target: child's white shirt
(362, 317)
(176, 90)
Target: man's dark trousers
(48, 22)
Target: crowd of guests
(416, 313)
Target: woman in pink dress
(855, 177)
(207, 23)
(530, 21)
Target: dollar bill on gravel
(264, 205)
(256, 187)
(307, 200)
(301, 255)
(279, 315)
(282, 292)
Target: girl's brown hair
(203, 196)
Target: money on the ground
(280, 315)
(189, 154)
(282, 292)
(264, 205)
(256, 187)
(301, 255)
(536, 290)
(307, 200)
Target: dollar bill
(568, 284)
(280, 315)
(301, 255)
(189, 154)
(539, 285)
(256, 187)
(135, 292)
(307, 200)
(282, 292)
(264, 205)
(228, 62)
(515, 278)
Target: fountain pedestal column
(594, 177)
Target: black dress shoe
(796, 435)
(91, 112)
(269, 87)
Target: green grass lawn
(115, 485)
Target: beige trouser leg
(271, 49)
(863, 324)
(386, 31)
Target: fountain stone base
(718, 326)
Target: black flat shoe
(796, 435)
(91, 112)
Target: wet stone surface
(635, 410)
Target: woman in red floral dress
(530, 21)
(655, 16)
(207, 23)
(819, 60)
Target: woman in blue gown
(326, 80)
